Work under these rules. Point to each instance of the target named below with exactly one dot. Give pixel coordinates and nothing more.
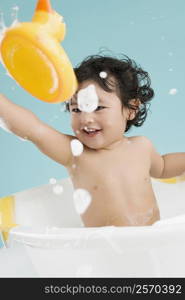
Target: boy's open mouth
(91, 131)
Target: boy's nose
(87, 117)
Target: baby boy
(116, 170)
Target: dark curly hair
(130, 82)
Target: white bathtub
(52, 242)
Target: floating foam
(58, 189)
(173, 92)
(52, 181)
(103, 74)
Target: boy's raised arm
(174, 164)
(25, 124)
(156, 160)
(167, 165)
(19, 120)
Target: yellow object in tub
(7, 215)
(174, 179)
(32, 53)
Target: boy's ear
(133, 111)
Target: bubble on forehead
(87, 99)
(82, 200)
(76, 147)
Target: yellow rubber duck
(32, 53)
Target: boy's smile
(105, 125)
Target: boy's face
(108, 119)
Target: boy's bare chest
(111, 169)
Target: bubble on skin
(84, 270)
(52, 181)
(4, 126)
(58, 189)
(77, 131)
(82, 200)
(87, 99)
(73, 166)
(173, 91)
(103, 74)
(76, 147)
(140, 219)
(23, 139)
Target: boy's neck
(115, 145)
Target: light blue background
(149, 31)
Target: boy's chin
(91, 145)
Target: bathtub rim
(141, 237)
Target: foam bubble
(173, 91)
(82, 200)
(58, 189)
(76, 147)
(4, 126)
(63, 107)
(87, 99)
(14, 15)
(2, 23)
(52, 181)
(103, 74)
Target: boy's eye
(100, 107)
(76, 110)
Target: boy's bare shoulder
(142, 140)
